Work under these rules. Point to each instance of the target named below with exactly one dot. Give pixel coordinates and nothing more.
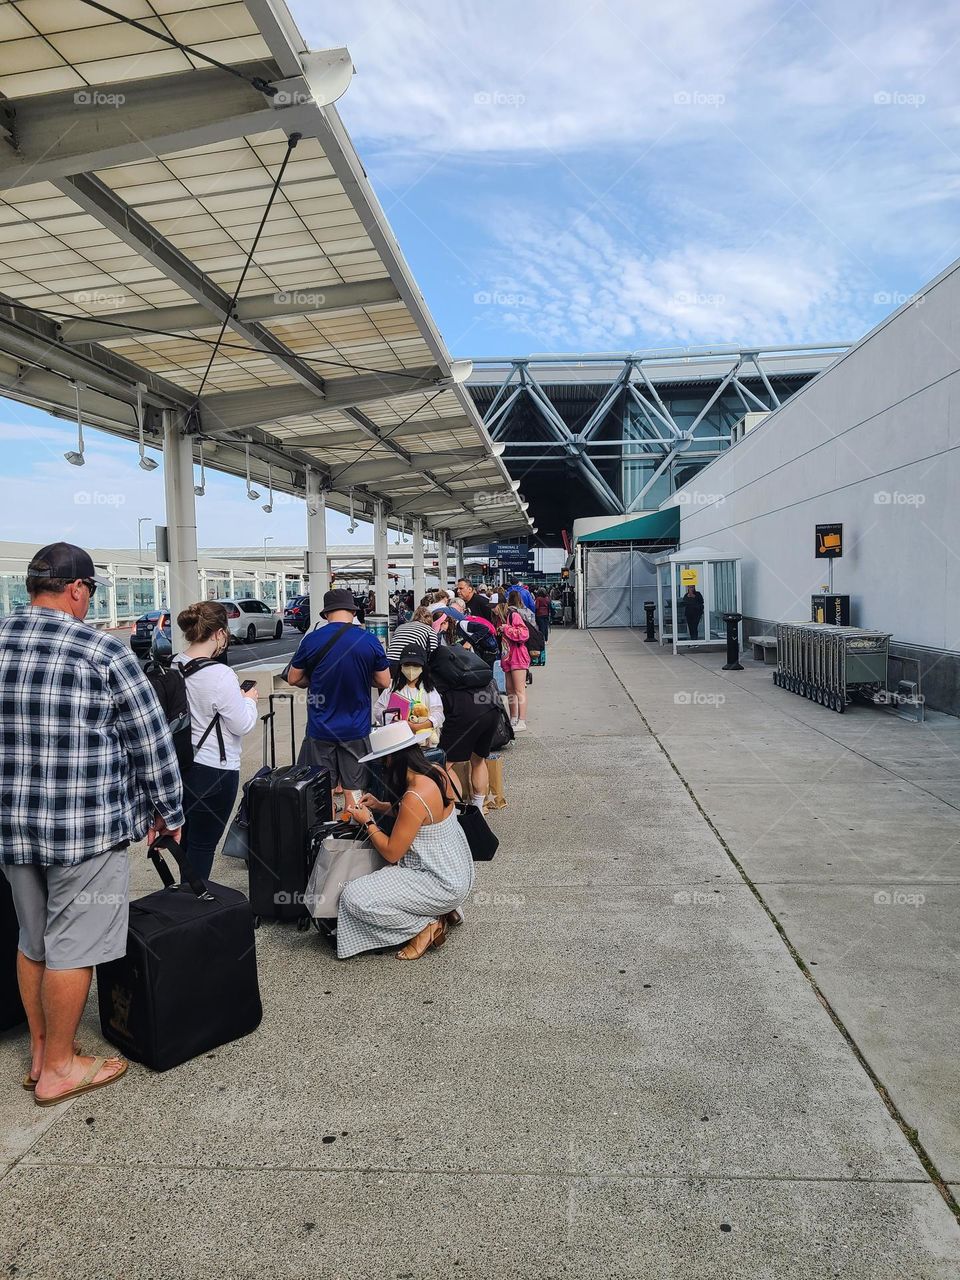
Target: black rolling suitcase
(11, 1006)
(188, 982)
(288, 808)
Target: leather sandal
(88, 1083)
(434, 935)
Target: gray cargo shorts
(340, 759)
(73, 917)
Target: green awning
(654, 526)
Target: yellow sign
(688, 577)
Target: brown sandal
(434, 935)
(87, 1084)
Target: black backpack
(170, 685)
(453, 667)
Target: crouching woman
(412, 903)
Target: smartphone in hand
(248, 685)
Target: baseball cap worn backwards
(64, 560)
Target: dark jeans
(693, 625)
(543, 626)
(208, 796)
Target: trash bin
(379, 625)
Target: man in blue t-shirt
(339, 663)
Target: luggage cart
(831, 664)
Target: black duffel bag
(11, 1006)
(453, 667)
(188, 982)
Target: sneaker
(513, 722)
(519, 726)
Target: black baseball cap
(64, 560)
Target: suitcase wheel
(256, 922)
(303, 924)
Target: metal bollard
(733, 642)
(649, 608)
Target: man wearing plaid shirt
(87, 765)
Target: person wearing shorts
(338, 668)
(87, 765)
(470, 721)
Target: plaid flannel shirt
(86, 756)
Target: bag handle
(167, 844)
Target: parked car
(253, 620)
(141, 632)
(297, 613)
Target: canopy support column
(381, 585)
(181, 514)
(318, 566)
(419, 576)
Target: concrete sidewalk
(615, 1068)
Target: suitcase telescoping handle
(167, 844)
(269, 722)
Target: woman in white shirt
(220, 714)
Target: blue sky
(571, 175)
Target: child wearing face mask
(413, 684)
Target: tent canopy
(654, 526)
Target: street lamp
(141, 520)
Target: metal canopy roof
(134, 177)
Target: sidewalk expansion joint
(908, 1131)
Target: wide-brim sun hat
(391, 738)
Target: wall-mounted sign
(688, 577)
(829, 541)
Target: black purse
(483, 843)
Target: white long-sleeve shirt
(212, 689)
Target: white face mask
(412, 674)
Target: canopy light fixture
(146, 464)
(252, 494)
(201, 488)
(75, 456)
(268, 505)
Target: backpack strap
(191, 668)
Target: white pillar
(113, 617)
(459, 554)
(419, 576)
(181, 516)
(381, 582)
(318, 566)
(443, 559)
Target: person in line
(445, 621)
(477, 604)
(515, 662)
(691, 602)
(414, 901)
(543, 614)
(87, 765)
(412, 682)
(220, 714)
(526, 599)
(419, 630)
(339, 669)
(515, 601)
(470, 725)
(481, 636)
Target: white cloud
(589, 286)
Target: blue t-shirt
(338, 704)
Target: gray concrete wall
(872, 442)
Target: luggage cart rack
(830, 664)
